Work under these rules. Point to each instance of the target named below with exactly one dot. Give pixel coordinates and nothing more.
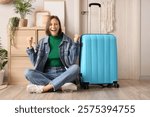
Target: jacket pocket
(40, 56)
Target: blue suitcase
(98, 60)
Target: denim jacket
(69, 51)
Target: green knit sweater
(54, 57)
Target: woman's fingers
(30, 41)
(76, 37)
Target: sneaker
(32, 88)
(69, 87)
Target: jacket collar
(65, 38)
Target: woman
(54, 60)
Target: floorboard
(128, 90)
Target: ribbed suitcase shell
(98, 59)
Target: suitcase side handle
(97, 4)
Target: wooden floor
(129, 90)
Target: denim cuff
(54, 89)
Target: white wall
(6, 12)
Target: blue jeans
(57, 76)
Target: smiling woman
(53, 26)
(54, 59)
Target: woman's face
(54, 27)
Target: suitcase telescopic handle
(97, 4)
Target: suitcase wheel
(84, 85)
(116, 85)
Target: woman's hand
(76, 37)
(30, 42)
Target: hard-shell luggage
(98, 60)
